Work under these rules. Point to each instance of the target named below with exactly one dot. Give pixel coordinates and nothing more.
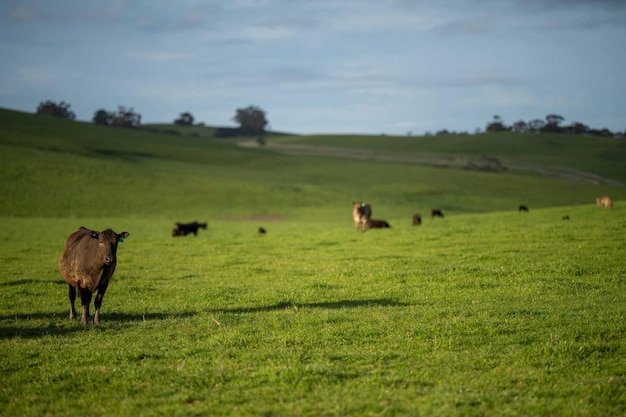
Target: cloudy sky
(321, 66)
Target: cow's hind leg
(85, 299)
(72, 295)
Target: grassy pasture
(485, 312)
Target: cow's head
(107, 244)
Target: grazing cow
(523, 208)
(183, 229)
(417, 219)
(361, 213)
(87, 263)
(566, 217)
(377, 224)
(604, 201)
(262, 231)
(436, 213)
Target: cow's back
(78, 263)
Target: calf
(361, 213)
(417, 219)
(87, 263)
(523, 208)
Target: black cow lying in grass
(377, 224)
(183, 229)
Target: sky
(392, 67)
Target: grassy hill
(51, 165)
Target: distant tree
(101, 117)
(578, 128)
(61, 109)
(496, 125)
(536, 125)
(125, 118)
(251, 120)
(520, 126)
(185, 119)
(552, 123)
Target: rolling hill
(59, 168)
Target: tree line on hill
(552, 124)
(252, 121)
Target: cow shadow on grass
(41, 324)
(333, 305)
(36, 325)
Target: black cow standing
(87, 263)
(183, 229)
(436, 213)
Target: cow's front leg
(85, 298)
(72, 295)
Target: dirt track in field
(436, 160)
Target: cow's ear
(94, 235)
(122, 236)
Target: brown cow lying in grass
(361, 213)
(604, 201)
(417, 219)
(183, 229)
(87, 263)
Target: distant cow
(417, 219)
(87, 263)
(523, 208)
(604, 201)
(436, 213)
(566, 217)
(183, 229)
(378, 224)
(262, 231)
(361, 213)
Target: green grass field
(485, 312)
